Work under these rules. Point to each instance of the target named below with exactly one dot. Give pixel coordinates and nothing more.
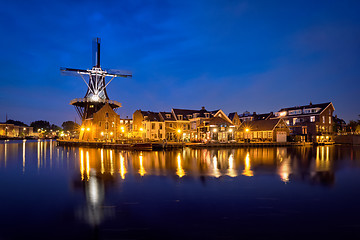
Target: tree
(40, 124)
(70, 126)
(16, 123)
(351, 126)
(55, 127)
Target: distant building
(11, 130)
(177, 125)
(273, 130)
(313, 122)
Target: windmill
(96, 96)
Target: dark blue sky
(235, 55)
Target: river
(51, 192)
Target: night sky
(256, 56)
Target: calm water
(50, 192)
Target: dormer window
(207, 115)
(189, 116)
(168, 115)
(180, 117)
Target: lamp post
(179, 134)
(247, 134)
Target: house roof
(231, 116)
(261, 125)
(263, 116)
(322, 106)
(186, 112)
(151, 116)
(219, 121)
(164, 117)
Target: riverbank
(172, 145)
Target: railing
(76, 100)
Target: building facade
(313, 122)
(271, 130)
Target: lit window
(329, 119)
(323, 119)
(312, 119)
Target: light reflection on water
(114, 181)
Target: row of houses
(312, 122)
(11, 130)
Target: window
(171, 125)
(168, 116)
(180, 117)
(112, 124)
(121, 121)
(312, 119)
(106, 114)
(323, 119)
(207, 115)
(287, 122)
(160, 126)
(153, 126)
(295, 120)
(106, 125)
(99, 124)
(329, 119)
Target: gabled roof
(261, 125)
(221, 114)
(231, 116)
(219, 121)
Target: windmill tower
(96, 96)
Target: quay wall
(348, 139)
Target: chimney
(202, 108)
(310, 103)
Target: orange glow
(142, 170)
(87, 166)
(247, 170)
(122, 167)
(82, 164)
(179, 131)
(180, 171)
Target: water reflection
(94, 171)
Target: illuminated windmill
(96, 96)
